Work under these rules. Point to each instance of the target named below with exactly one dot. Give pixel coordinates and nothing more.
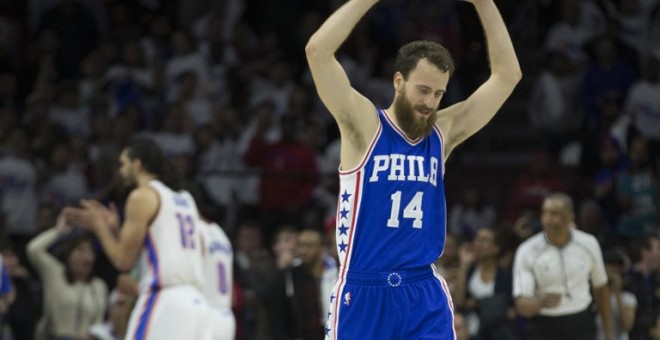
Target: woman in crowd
(74, 299)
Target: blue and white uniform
(171, 304)
(391, 226)
(218, 267)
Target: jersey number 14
(412, 210)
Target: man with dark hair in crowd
(295, 295)
(642, 280)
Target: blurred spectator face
(11, 261)
(590, 217)
(628, 7)
(68, 96)
(309, 246)
(175, 120)
(288, 128)
(285, 242)
(653, 253)
(181, 43)
(47, 43)
(18, 141)
(124, 128)
(46, 217)
(204, 137)
(184, 165)
(570, 11)
(8, 120)
(37, 106)
(610, 152)
(639, 151)
(300, 103)
(60, 157)
(92, 66)
(471, 198)
(605, 51)
(654, 332)
(560, 63)
(160, 28)
(8, 85)
(102, 128)
(280, 74)
(132, 55)
(248, 238)
(652, 67)
(484, 244)
(109, 52)
(613, 269)
(188, 84)
(81, 260)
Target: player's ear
(398, 81)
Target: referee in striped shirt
(554, 274)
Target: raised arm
(463, 119)
(354, 114)
(123, 249)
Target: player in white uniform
(161, 233)
(218, 267)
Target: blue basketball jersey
(391, 212)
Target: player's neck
(144, 179)
(391, 111)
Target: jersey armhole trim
(152, 219)
(442, 143)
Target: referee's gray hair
(565, 200)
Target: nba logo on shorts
(347, 298)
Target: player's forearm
(334, 31)
(112, 248)
(503, 60)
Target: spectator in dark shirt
(294, 297)
(642, 280)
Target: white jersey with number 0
(218, 262)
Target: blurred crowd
(222, 86)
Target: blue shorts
(406, 305)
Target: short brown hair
(410, 54)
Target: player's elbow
(511, 77)
(311, 49)
(316, 49)
(516, 75)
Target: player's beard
(128, 180)
(413, 127)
